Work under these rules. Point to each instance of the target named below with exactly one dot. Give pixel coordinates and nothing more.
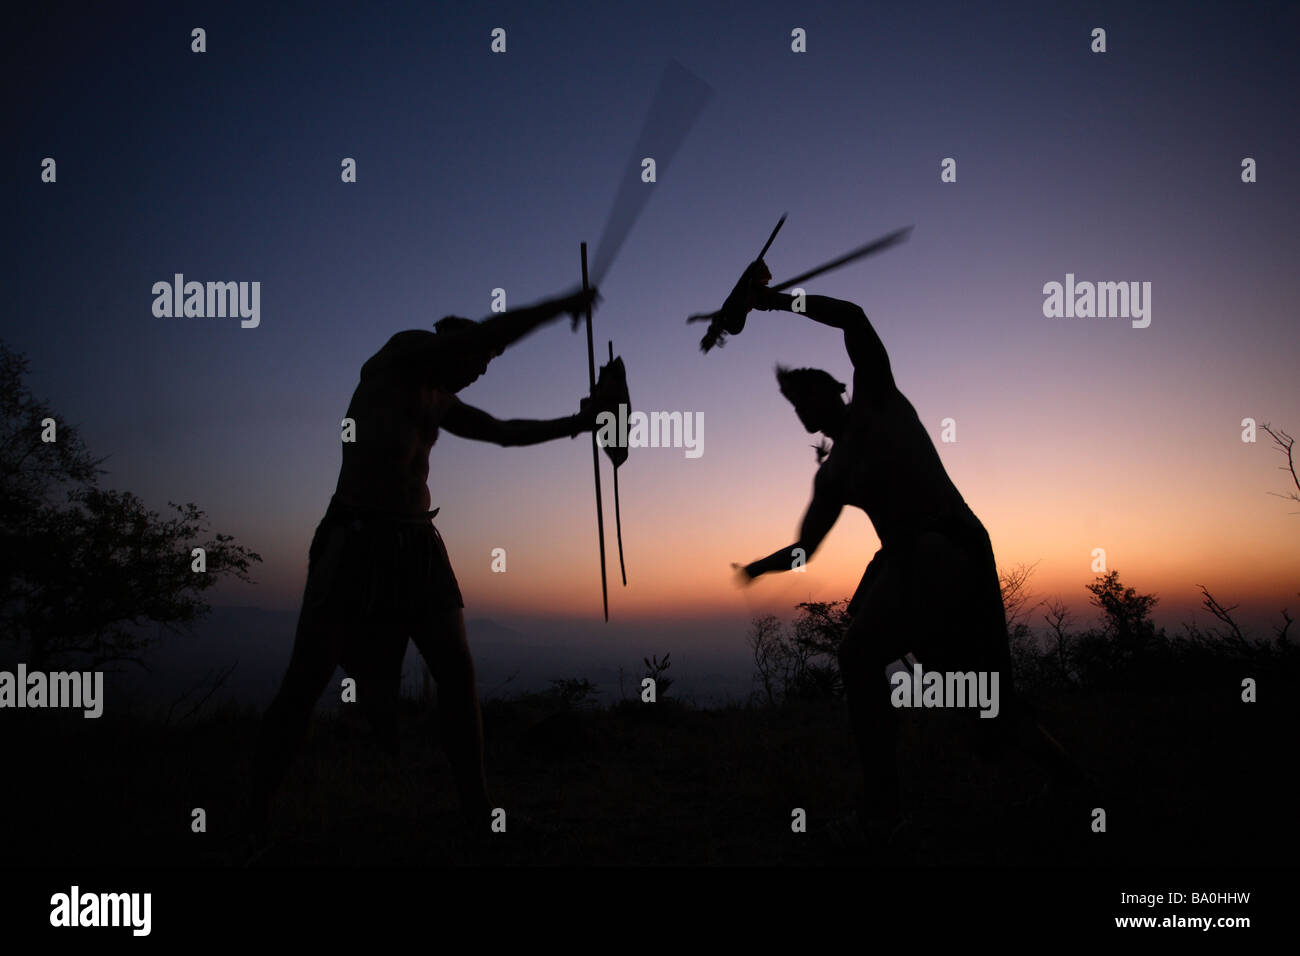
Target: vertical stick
(618, 514)
(595, 450)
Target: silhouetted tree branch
(82, 569)
(1015, 595)
(1286, 445)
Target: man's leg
(443, 644)
(963, 629)
(973, 637)
(919, 602)
(875, 638)
(316, 648)
(373, 658)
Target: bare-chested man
(932, 588)
(378, 573)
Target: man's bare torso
(397, 417)
(886, 464)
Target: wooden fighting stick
(730, 319)
(595, 449)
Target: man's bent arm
(866, 351)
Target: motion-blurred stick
(876, 245)
(677, 103)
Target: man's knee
(877, 636)
(443, 645)
(299, 691)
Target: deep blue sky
(478, 171)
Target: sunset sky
(478, 171)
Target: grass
(1185, 779)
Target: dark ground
(1185, 780)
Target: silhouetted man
(378, 572)
(932, 588)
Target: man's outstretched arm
(498, 332)
(866, 351)
(817, 522)
(419, 351)
(503, 330)
(466, 421)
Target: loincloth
(371, 566)
(981, 592)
